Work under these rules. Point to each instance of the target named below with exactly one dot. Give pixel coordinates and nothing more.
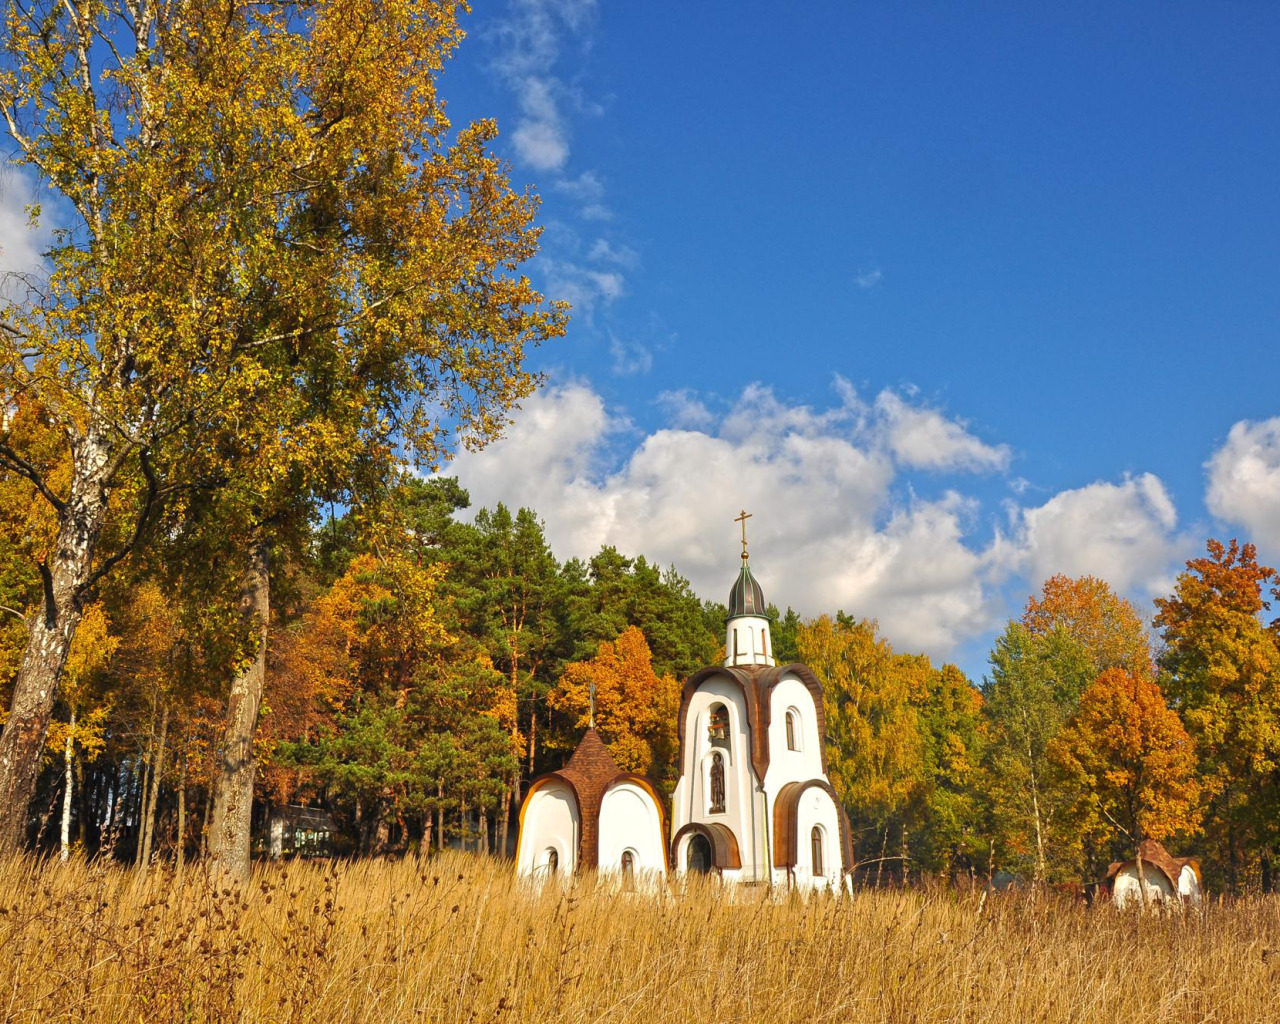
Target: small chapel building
(591, 814)
(1165, 878)
(752, 802)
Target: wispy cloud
(528, 48)
(585, 288)
(630, 357)
(685, 410)
(866, 279)
(587, 190)
(604, 251)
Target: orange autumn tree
(636, 708)
(1088, 611)
(1131, 762)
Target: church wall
(817, 809)
(1189, 884)
(549, 821)
(1125, 890)
(793, 765)
(630, 820)
(743, 813)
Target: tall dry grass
(457, 939)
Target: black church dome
(746, 597)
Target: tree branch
(20, 465)
(144, 515)
(50, 609)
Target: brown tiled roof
(1157, 856)
(757, 681)
(590, 770)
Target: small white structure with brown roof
(753, 802)
(1165, 878)
(591, 814)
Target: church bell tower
(747, 640)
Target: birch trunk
(68, 756)
(233, 787)
(206, 817)
(182, 824)
(144, 789)
(65, 574)
(439, 815)
(1041, 864)
(503, 814)
(149, 824)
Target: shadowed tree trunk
(153, 796)
(233, 787)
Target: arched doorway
(699, 854)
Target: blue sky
(950, 298)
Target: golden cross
(742, 518)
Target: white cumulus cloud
(1123, 533)
(829, 531)
(1244, 482)
(835, 523)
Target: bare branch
(50, 608)
(144, 516)
(14, 461)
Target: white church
(752, 804)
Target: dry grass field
(457, 939)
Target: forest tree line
(422, 668)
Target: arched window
(815, 838)
(718, 727)
(793, 731)
(717, 783)
(553, 861)
(628, 870)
